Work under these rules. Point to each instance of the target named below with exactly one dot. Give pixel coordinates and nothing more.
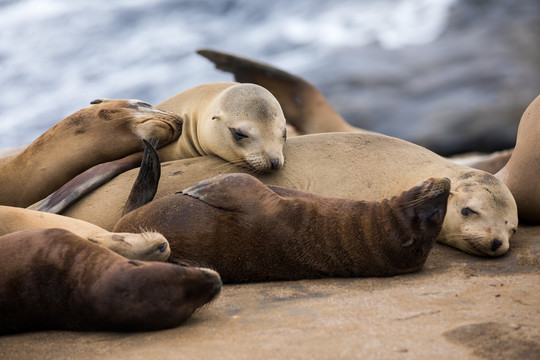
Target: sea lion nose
(496, 244)
(162, 247)
(274, 163)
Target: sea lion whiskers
(234, 163)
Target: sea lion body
(522, 171)
(241, 123)
(352, 166)
(105, 131)
(250, 232)
(150, 246)
(53, 279)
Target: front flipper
(86, 182)
(234, 192)
(145, 187)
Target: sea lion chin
(248, 231)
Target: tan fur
(348, 165)
(522, 172)
(149, 246)
(211, 112)
(106, 131)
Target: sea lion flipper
(304, 106)
(228, 191)
(145, 187)
(86, 182)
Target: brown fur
(53, 279)
(250, 232)
(104, 131)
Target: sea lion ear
(97, 101)
(215, 117)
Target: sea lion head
(481, 216)
(245, 126)
(149, 246)
(142, 118)
(419, 213)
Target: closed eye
(466, 211)
(285, 134)
(237, 134)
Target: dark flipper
(145, 187)
(86, 182)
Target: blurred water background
(422, 70)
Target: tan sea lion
(481, 216)
(105, 131)
(522, 171)
(146, 245)
(305, 107)
(250, 232)
(241, 123)
(54, 279)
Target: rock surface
(466, 91)
(460, 306)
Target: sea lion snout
(162, 247)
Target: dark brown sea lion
(250, 232)
(54, 279)
(105, 131)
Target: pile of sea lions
(145, 211)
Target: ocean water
(58, 55)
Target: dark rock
(465, 91)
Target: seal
(150, 246)
(305, 107)
(481, 215)
(105, 131)
(250, 232)
(522, 170)
(241, 123)
(54, 279)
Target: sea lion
(522, 171)
(481, 216)
(54, 279)
(105, 131)
(146, 245)
(241, 123)
(250, 232)
(305, 107)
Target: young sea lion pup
(248, 231)
(105, 131)
(53, 279)
(240, 123)
(150, 246)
